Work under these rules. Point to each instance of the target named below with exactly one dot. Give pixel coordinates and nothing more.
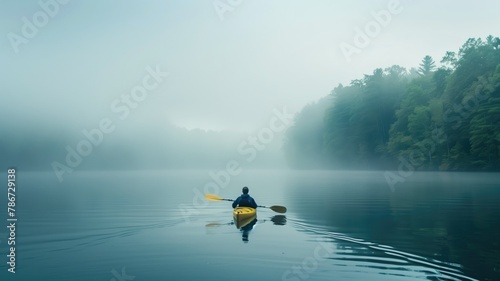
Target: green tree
(358, 123)
(485, 126)
(477, 60)
(426, 66)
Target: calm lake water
(339, 226)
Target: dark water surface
(154, 225)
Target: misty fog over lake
(367, 134)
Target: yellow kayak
(243, 216)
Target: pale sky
(223, 74)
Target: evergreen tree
(426, 66)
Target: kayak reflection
(245, 230)
(277, 220)
(246, 225)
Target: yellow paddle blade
(278, 209)
(212, 197)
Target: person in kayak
(245, 200)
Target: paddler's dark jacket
(244, 200)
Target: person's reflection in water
(246, 230)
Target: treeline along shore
(431, 118)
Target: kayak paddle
(277, 209)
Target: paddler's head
(245, 190)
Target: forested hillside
(435, 118)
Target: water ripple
(361, 256)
